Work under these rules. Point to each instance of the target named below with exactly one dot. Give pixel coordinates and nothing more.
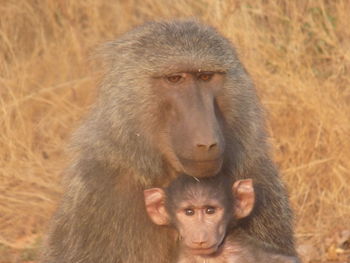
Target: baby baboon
(203, 211)
(175, 99)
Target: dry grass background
(298, 53)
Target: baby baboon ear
(154, 201)
(243, 192)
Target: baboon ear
(244, 196)
(154, 201)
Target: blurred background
(297, 52)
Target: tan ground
(298, 53)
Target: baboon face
(201, 224)
(172, 83)
(200, 210)
(193, 123)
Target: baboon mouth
(184, 160)
(201, 168)
(203, 251)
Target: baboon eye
(210, 210)
(174, 78)
(189, 212)
(205, 76)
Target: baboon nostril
(212, 145)
(207, 146)
(200, 243)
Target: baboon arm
(271, 220)
(103, 219)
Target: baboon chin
(201, 168)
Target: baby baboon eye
(210, 210)
(174, 78)
(205, 76)
(189, 212)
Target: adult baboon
(175, 98)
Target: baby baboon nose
(199, 243)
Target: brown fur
(120, 151)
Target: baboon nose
(207, 146)
(199, 243)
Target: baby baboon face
(202, 224)
(200, 211)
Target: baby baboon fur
(175, 99)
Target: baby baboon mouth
(203, 251)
